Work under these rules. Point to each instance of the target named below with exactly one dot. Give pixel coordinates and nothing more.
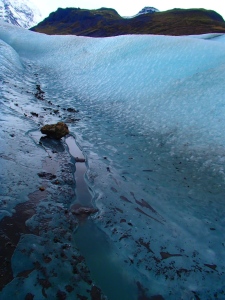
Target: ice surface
(152, 116)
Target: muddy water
(107, 270)
(82, 191)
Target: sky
(125, 8)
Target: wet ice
(152, 116)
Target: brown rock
(56, 131)
(84, 211)
(78, 159)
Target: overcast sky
(125, 8)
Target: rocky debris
(38, 87)
(84, 211)
(29, 296)
(96, 293)
(69, 288)
(39, 94)
(56, 131)
(72, 120)
(34, 114)
(56, 182)
(61, 295)
(48, 176)
(166, 255)
(72, 110)
(78, 159)
(213, 267)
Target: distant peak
(22, 13)
(147, 9)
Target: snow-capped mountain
(22, 13)
(147, 9)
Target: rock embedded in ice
(79, 159)
(70, 109)
(48, 176)
(39, 93)
(81, 211)
(56, 131)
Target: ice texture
(152, 115)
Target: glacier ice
(152, 116)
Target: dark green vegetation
(107, 22)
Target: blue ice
(152, 128)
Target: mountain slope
(107, 22)
(21, 13)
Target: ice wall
(152, 117)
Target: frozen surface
(151, 112)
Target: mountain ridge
(105, 22)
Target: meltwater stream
(107, 269)
(82, 191)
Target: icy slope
(152, 117)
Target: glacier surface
(151, 112)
